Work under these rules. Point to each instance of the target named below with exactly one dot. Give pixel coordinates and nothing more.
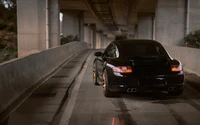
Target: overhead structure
(103, 11)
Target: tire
(175, 93)
(106, 90)
(95, 74)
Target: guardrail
(19, 75)
(188, 56)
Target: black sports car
(137, 65)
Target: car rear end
(147, 70)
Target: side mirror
(98, 54)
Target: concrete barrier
(188, 56)
(17, 76)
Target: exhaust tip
(132, 90)
(172, 89)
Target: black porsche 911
(137, 66)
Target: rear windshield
(138, 50)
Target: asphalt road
(88, 106)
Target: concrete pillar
(131, 32)
(98, 39)
(105, 41)
(71, 22)
(88, 35)
(31, 23)
(194, 19)
(81, 26)
(93, 26)
(170, 21)
(145, 26)
(54, 23)
(101, 39)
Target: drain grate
(42, 95)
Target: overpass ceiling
(90, 19)
(111, 14)
(120, 10)
(102, 9)
(140, 7)
(145, 6)
(73, 4)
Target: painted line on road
(72, 99)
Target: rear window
(135, 50)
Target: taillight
(122, 69)
(176, 68)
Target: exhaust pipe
(172, 89)
(132, 90)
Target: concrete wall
(170, 21)
(194, 15)
(31, 19)
(145, 26)
(188, 57)
(71, 23)
(19, 75)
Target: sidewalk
(41, 107)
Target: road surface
(88, 106)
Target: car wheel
(175, 93)
(106, 90)
(95, 74)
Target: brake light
(176, 68)
(122, 69)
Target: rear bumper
(154, 83)
(120, 88)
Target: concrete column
(71, 22)
(101, 39)
(81, 26)
(194, 20)
(91, 37)
(170, 21)
(105, 39)
(131, 32)
(145, 26)
(88, 35)
(31, 23)
(98, 40)
(54, 23)
(93, 26)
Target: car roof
(135, 42)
